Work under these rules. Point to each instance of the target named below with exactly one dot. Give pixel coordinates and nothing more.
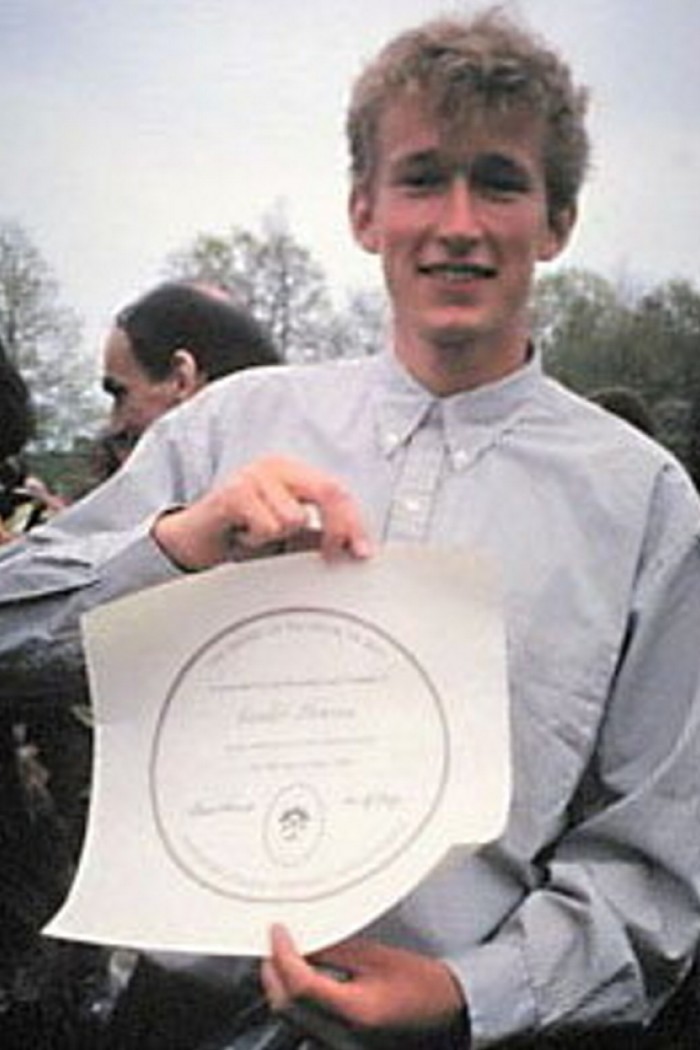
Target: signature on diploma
(373, 800)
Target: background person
(39, 980)
(25, 500)
(165, 346)
(468, 150)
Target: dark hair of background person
(180, 316)
(628, 405)
(24, 500)
(16, 412)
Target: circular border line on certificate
(298, 752)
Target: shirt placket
(414, 496)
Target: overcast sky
(128, 126)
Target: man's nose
(459, 216)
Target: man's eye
(504, 187)
(499, 179)
(421, 180)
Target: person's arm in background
(95, 549)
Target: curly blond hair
(484, 64)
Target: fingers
(265, 502)
(385, 987)
(287, 976)
(343, 531)
(285, 971)
(288, 979)
(354, 955)
(280, 492)
(263, 505)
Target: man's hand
(265, 502)
(385, 987)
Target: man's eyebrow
(497, 157)
(488, 160)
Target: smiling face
(459, 217)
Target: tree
(270, 274)
(594, 334)
(666, 328)
(42, 337)
(578, 321)
(361, 327)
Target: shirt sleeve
(94, 551)
(610, 928)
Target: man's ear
(185, 374)
(361, 210)
(559, 228)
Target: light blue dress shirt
(586, 911)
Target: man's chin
(452, 337)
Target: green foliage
(270, 274)
(275, 277)
(68, 472)
(577, 316)
(597, 335)
(43, 337)
(360, 328)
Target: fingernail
(363, 548)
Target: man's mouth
(459, 271)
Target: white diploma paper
(288, 740)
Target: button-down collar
(473, 420)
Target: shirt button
(460, 459)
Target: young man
(468, 153)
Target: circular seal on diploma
(297, 752)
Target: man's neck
(447, 367)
